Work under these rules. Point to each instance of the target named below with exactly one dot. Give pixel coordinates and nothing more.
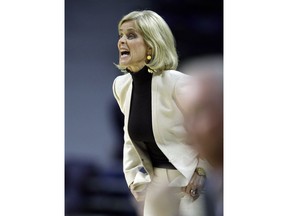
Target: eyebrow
(130, 28)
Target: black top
(140, 118)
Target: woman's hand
(196, 183)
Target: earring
(148, 57)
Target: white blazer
(167, 125)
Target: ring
(193, 192)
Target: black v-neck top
(140, 118)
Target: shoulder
(120, 87)
(172, 77)
(177, 81)
(122, 79)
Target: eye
(120, 35)
(131, 36)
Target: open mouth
(124, 53)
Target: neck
(135, 69)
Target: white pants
(162, 200)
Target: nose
(122, 40)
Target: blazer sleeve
(115, 94)
(131, 160)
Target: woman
(159, 167)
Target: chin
(123, 64)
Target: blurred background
(94, 183)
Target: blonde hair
(158, 36)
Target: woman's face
(131, 46)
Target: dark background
(93, 124)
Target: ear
(149, 51)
